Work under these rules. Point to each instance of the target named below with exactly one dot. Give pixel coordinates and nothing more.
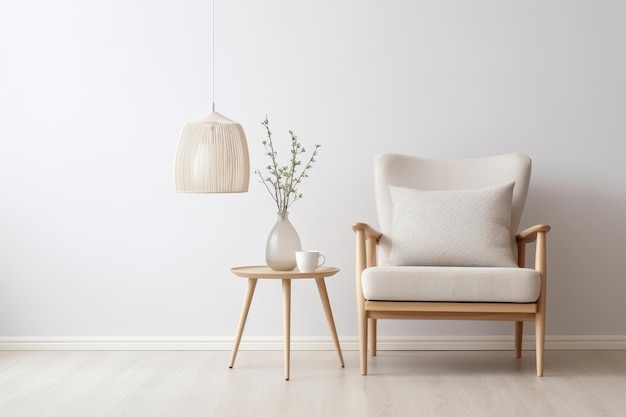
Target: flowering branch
(282, 181)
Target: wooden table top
(264, 271)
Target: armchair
(447, 248)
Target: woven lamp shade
(212, 157)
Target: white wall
(94, 241)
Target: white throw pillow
(452, 227)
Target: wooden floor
(184, 383)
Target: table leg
(321, 287)
(242, 319)
(287, 323)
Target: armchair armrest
(535, 233)
(369, 231)
(530, 234)
(366, 240)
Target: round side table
(254, 273)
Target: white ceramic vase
(282, 244)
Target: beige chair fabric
(458, 174)
(470, 227)
(454, 284)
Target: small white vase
(282, 244)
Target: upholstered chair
(447, 247)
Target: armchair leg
(540, 334)
(519, 332)
(371, 335)
(362, 318)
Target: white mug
(308, 261)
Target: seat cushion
(451, 284)
(469, 227)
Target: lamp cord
(213, 56)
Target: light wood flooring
(199, 383)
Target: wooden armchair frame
(369, 312)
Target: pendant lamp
(212, 152)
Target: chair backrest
(449, 174)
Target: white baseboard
(308, 343)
